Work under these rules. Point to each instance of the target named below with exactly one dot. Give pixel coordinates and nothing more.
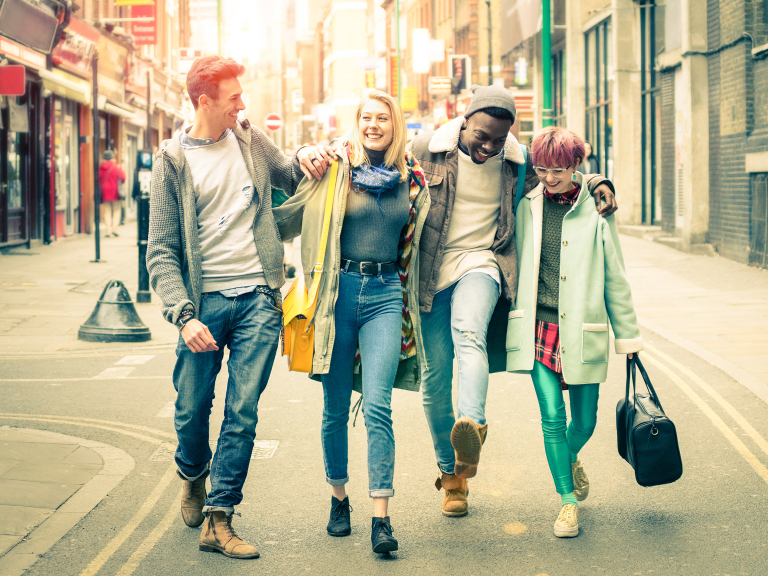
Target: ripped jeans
(456, 327)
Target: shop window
(559, 87)
(598, 90)
(758, 230)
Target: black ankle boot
(339, 525)
(381, 536)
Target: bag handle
(632, 365)
(521, 176)
(318, 270)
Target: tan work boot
(456, 492)
(218, 536)
(467, 439)
(193, 499)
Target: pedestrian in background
(111, 177)
(215, 260)
(572, 284)
(367, 302)
(589, 164)
(467, 261)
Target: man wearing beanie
(468, 259)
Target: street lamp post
(397, 33)
(546, 63)
(490, 45)
(96, 138)
(142, 217)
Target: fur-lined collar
(447, 138)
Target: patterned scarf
(375, 180)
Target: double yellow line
(656, 356)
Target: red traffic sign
(273, 121)
(12, 80)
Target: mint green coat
(594, 290)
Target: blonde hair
(395, 155)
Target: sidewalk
(48, 483)
(713, 307)
(47, 292)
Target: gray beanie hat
(491, 97)
(109, 155)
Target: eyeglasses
(555, 171)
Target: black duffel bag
(646, 436)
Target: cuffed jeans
(457, 323)
(369, 315)
(249, 325)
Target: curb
(752, 383)
(117, 465)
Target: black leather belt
(368, 268)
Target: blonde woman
(368, 299)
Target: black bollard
(114, 319)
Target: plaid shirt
(547, 336)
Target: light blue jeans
(457, 324)
(249, 325)
(369, 312)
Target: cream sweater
(474, 221)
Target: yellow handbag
(299, 305)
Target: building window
(758, 232)
(558, 88)
(599, 87)
(650, 45)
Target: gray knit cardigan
(173, 252)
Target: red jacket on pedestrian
(109, 172)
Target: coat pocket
(594, 343)
(515, 321)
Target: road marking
(150, 542)
(111, 373)
(75, 423)
(167, 411)
(746, 426)
(103, 556)
(87, 378)
(85, 354)
(77, 419)
(741, 448)
(134, 360)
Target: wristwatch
(185, 317)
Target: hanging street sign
(12, 80)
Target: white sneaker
(580, 481)
(567, 523)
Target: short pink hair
(205, 74)
(557, 147)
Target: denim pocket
(390, 279)
(515, 329)
(594, 343)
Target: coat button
(562, 350)
(562, 315)
(562, 278)
(565, 242)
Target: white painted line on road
(167, 411)
(132, 524)
(111, 373)
(150, 542)
(741, 448)
(134, 360)
(746, 426)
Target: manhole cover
(262, 449)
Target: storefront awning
(66, 85)
(170, 110)
(116, 108)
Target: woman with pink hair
(572, 283)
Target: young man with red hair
(572, 284)
(468, 274)
(216, 261)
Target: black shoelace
(338, 509)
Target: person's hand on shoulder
(314, 160)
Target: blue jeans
(457, 322)
(249, 325)
(369, 315)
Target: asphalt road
(711, 522)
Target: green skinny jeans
(562, 444)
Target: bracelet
(184, 317)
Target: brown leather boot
(192, 500)
(456, 492)
(218, 536)
(467, 439)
